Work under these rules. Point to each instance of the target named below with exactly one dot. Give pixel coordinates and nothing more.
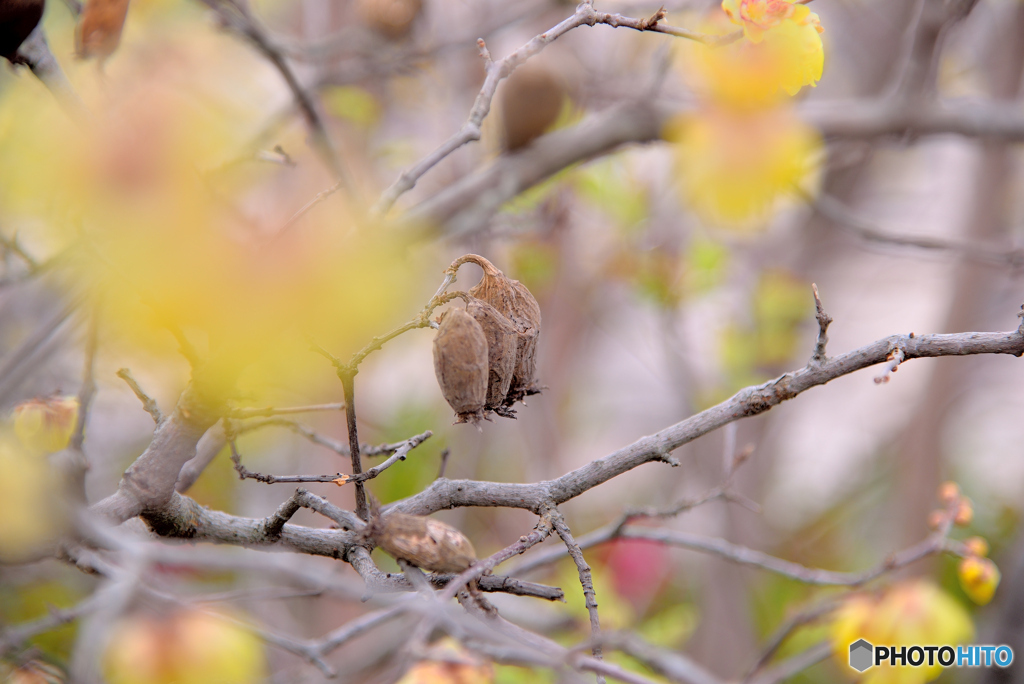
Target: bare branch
(13, 637)
(401, 452)
(88, 389)
(482, 567)
(348, 380)
(243, 413)
(466, 205)
(934, 544)
(586, 581)
(149, 404)
(845, 219)
(400, 455)
(237, 16)
(750, 401)
(668, 663)
(207, 448)
(23, 358)
(585, 15)
(783, 633)
(798, 663)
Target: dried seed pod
(531, 101)
(392, 18)
(512, 299)
(460, 363)
(99, 30)
(18, 18)
(502, 343)
(424, 542)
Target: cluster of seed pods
(485, 354)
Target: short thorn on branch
(892, 362)
(648, 24)
(824, 320)
(149, 404)
(484, 52)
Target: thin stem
(348, 383)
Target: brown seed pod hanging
(512, 299)
(18, 18)
(392, 18)
(460, 363)
(424, 542)
(502, 343)
(531, 101)
(99, 29)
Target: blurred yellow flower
(30, 504)
(733, 166)
(781, 54)
(979, 578)
(44, 426)
(190, 647)
(915, 612)
(450, 663)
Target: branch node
(652, 22)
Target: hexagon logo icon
(861, 653)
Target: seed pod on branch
(512, 299)
(18, 18)
(99, 29)
(502, 343)
(424, 542)
(530, 103)
(392, 18)
(460, 363)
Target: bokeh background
(175, 202)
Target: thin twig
(318, 438)
(482, 567)
(933, 544)
(149, 404)
(401, 452)
(400, 455)
(470, 131)
(237, 16)
(796, 664)
(242, 413)
(348, 378)
(892, 362)
(782, 634)
(12, 245)
(824, 320)
(586, 581)
(88, 389)
(847, 220)
(22, 359)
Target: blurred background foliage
(664, 289)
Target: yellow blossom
(184, 648)
(782, 52)
(909, 613)
(45, 425)
(734, 165)
(29, 502)
(979, 578)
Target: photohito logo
(864, 655)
